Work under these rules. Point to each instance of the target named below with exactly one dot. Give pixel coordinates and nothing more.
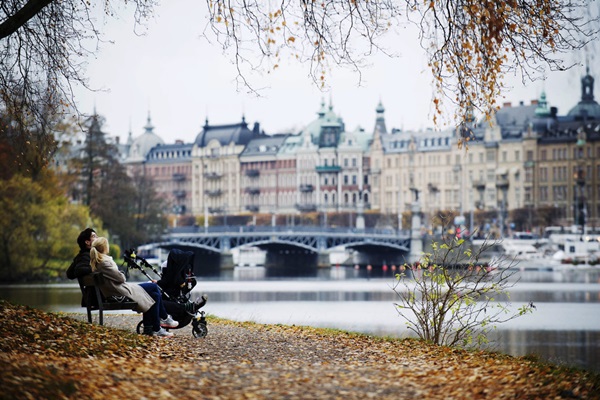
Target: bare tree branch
(18, 19)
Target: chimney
(507, 104)
(117, 139)
(534, 102)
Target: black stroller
(176, 282)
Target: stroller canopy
(179, 268)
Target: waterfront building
(330, 170)
(527, 166)
(267, 182)
(216, 174)
(137, 149)
(169, 166)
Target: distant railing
(213, 193)
(213, 175)
(306, 188)
(287, 229)
(328, 168)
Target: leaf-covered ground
(54, 356)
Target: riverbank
(47, 355)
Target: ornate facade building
(528, 167)
(216, 173)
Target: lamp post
(205, 215)
(580, 211)
(480, 187)
(457, 169)
(399, 210)
(502, 185)
(433, 192)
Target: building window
(543, 175)
(529, 155)
(543, 193)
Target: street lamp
(457, 169)
(579, 214)
(502, 185)
(480, 187)
(433, 192)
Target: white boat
(563, 251)
(525, 256)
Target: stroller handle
(130, 256)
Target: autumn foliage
(55, 356)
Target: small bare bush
(449, 298)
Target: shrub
(449, 298)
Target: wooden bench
(94, 300)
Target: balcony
(213, 175)
(433, 188)
(306, 207)
(252, 208)
(502, 182)
(252, 173)
(306, 188)
(180, 194)
(252, 190)
(178, 177)
(328, 168)
(215, 210)
(479, 185)
(213, 193)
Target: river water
(564, 328)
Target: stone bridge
(298, 248)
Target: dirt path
(241, 361)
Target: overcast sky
(181, 79)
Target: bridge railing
(284, 229)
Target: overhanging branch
(20, 18)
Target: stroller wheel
(199, 330)
(140, 328)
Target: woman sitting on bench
(147, 295)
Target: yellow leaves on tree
(470, 44)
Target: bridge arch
(265, 244)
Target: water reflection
(66, 298)
(574, 348)
(561, 330)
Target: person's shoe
(201, 302)
(168, 322)
(162, 332)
